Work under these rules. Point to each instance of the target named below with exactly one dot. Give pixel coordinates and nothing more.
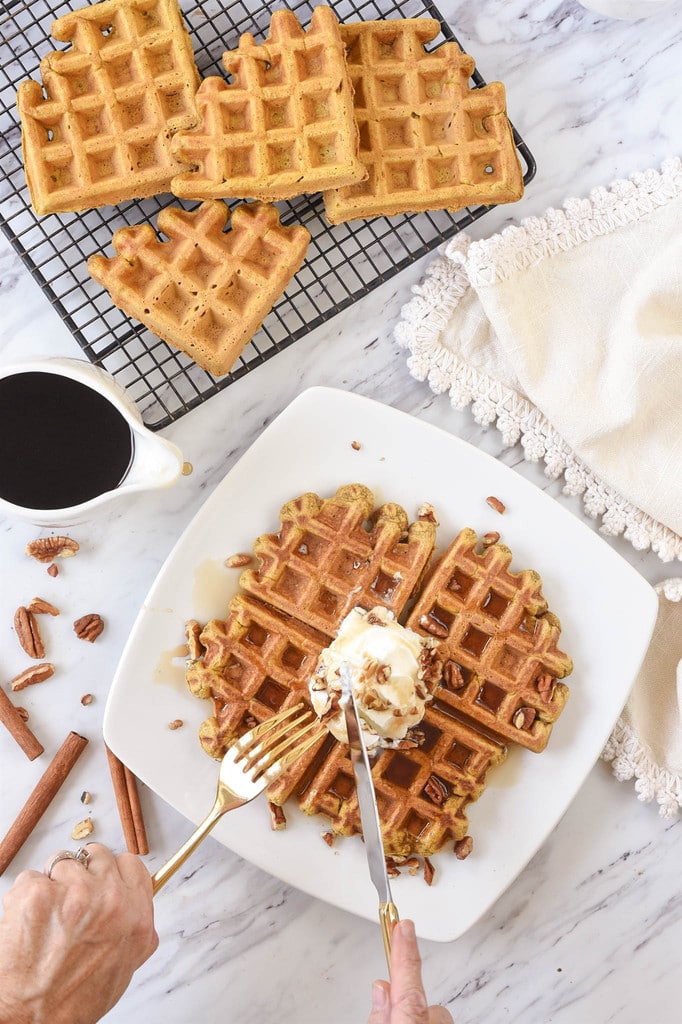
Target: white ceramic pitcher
(154, 463)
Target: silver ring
(81, 855)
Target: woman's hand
(404, 1000)
(70, 944)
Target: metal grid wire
(343, 263)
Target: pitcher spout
(156, 462)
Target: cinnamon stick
(40, 799)
(128, 803)
(16, 726)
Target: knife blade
(369, 812)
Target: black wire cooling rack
(343, 263)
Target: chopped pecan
(524, 718)
(53, 570)
(546, 684)
(34, 674)
(23, 714)
(177, 723)
(82, 829)
(86, 797)
(328, 837)
(278, 819)
(496, 504)
(429, 871)
(436, 790)
(427, 513)
(412, 864)
(374, 620)
(356, 446)
(86, 699)
(392, 870)
(490, 538)
(28, 634)
(383, 673)
(452, 675)
(195, 648)
(46, 549)
(463, 847)
(239, 561)
(40, 607)
(433, 627)
(89, 627)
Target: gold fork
(250, 764)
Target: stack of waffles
(498, 644)
(362, 113)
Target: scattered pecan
(195, 648)
(356, 446)
(177, 723)
(436, 790)
(86, 699)
(82, 829)
(463, 847)
(52, 570)
(392, 870)
(23, 714)
(40, 607)
(433, 627)
(452, 675)
(34, 674)
(412, 864)
(89, 627)
(46, 549)
(328, 837)
(239, 561)
(546, 684)
(28, 634)
(427, 513)
(278, 819)
(86, 797)
(374, 620)
(524, 718)
(490, 538)
(429, 871)
(496, 504)
(383, 673)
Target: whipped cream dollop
(394, 672)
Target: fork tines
(276, 743)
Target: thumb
(381, 1003)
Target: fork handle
(388, 916)
(160, 877)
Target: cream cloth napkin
(566, 332)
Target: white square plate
(606, 608)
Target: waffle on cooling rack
(205, 290)
(428, 140)
(284, 125)
(98, 130)
(499, 642)
(324, 560)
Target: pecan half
(278, 819)
(40, 607)
(452, 675)
(524, 718)
(88, 627)
(238, 561)
(34, 674)
(496, 504)
(436, 790)
(464, 847)
(28, 634)
(46, 549)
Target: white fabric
(566, 332)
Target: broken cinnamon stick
(40, 799)
(16, 726)
(128, 803)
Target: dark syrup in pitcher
(61, 442)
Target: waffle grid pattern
(495, 628)
(427, 138)
(343, 263)
(283, 126)
(101, 132)
(205, 289)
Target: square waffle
(205, 291)
(427, 139)
(499, 642)
(98, 131)
(284, 124)
(333, 555)
(260, 660)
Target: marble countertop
(591, 930)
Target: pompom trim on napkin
(630, 759)
(424, 318)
